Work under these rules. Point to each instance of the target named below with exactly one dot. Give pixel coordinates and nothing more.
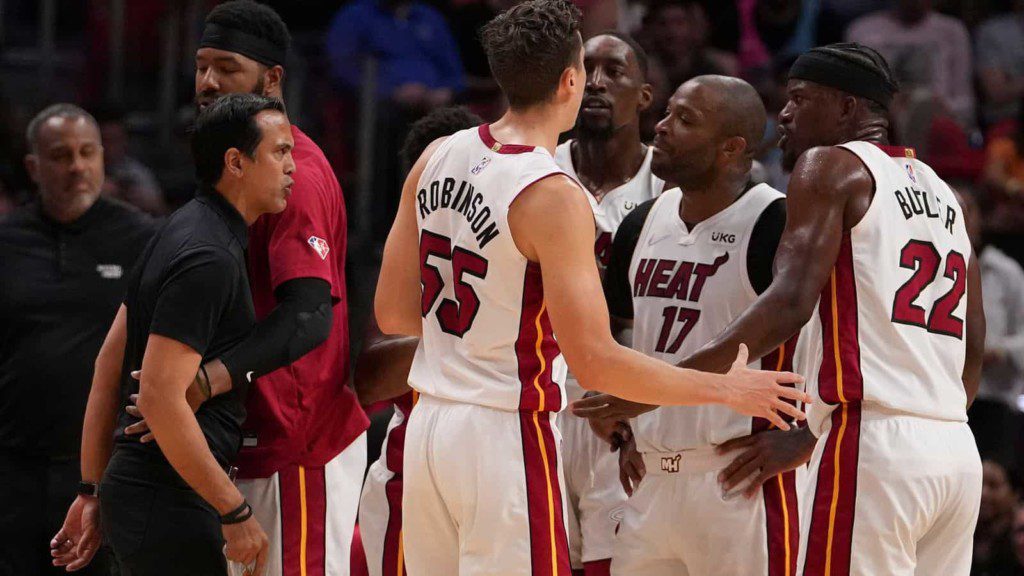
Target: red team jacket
(302, 414)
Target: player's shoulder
(835, 169)
(552, 193)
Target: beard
(594, 130)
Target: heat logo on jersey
(670, 464)
(320, 246)
(679, 280)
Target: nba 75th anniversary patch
(320, 245)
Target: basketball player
(716, 241)
(491, 253)
(876, 261)
(608, 159)
(382, 373)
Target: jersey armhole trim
(871, 173)
(523, 189)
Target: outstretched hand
(763, 393)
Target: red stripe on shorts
(549, 548)
(393, 562)
(783, 526)
(835, 497)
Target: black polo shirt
(60, 287)
(191, 286)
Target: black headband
(232, 40)
(828, 70)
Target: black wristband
(88, 489)
(238, 515)
(205, 387)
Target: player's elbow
(586, 361)
(311, 330)
(794, 306)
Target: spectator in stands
(1004, 177)
(994, 416)
(127, 178)
(418, 65)
(675, 34)
(418, 69)
(925, 45)
(775, 30)
(993, 537)
(999, 59)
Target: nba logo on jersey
(670, 464)
(320, 245)
(910, 172)
(480, 167)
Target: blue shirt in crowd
(417, 49)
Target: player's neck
(874, 130)
(538, 127)
(702, 201)
(606, 164)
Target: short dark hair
(638, 50)
(254, 19)
(229, 122)
(440, 122)
(60, 110)
(529, 46)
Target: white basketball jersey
(616, 204)
(688, 286)
(487, 338)
(888, 333)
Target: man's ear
(32, 166)
(735, 146)
(233, 162)
(272, 80)
(646, 96)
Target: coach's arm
(79, 538)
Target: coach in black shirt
(169, 507)
(64, 262)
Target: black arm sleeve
(764, 241)
(616, 278)
(300, 322)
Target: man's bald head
(739, 110)
(713, 128)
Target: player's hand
(246, 544)
(762, 456)
(762, 393)
(610, 430)
(79, 538)
(631, 466)
(608, 407)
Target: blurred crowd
(372, 67)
